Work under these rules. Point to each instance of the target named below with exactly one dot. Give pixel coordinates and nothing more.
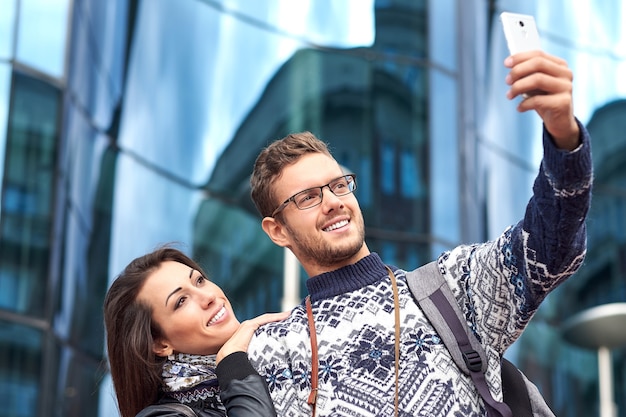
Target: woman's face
(193, 313)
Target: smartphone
(521, 35)
(520, 32)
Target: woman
(172, 337)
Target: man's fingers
(518, 58)
(540, 82)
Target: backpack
(435, 298)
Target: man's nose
(329, 199)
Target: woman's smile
(218, 316)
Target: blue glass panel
(444, 162)
(443, 33)
(20, 369)
(7, 29)
(27, 195)
(42, 33)
(97, 58)
(196, 113)
(5, 85)
(78, 377)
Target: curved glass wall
(127, 124)
(231, 78)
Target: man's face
(327, 236)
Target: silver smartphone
(520, 32)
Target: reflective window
(7, 27)
(27, 195)
(42, 32)
(5, 86)
(97, 58)
(444, 33)
(20, 369)
(355, 75)
(78, 378)
(444, 163)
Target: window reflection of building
(369, 104)
(56, 174)
(603, 278)
(65, 171)
(26, 235)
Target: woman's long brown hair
(135, 369)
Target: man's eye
(312, 195)
(340, 185)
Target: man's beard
(324, 253)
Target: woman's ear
(275, 230)
(162, 348)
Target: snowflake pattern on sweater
(499, 286)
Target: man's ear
(162, 348)
(275, 230)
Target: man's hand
(548, 82)
(240, 340)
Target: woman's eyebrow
(179, 288)
(172, 293)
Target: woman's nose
(204, 298)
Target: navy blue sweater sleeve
(555, 218)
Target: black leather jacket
(242, 391)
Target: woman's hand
(240, 340)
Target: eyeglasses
(312, 197)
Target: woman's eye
(180, 302)
(200, 280)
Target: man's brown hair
(270, 163)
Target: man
(308, 206)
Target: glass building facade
(126, 124)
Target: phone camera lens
(521, 23)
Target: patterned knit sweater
(499, 286)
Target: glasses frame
(351, 180)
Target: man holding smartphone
(376, 352)
(538, 71)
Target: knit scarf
(191, 380)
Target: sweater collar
(367, 271)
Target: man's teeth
(218, 316)
(336, 225)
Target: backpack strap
(435, 298)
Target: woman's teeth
(218, 316)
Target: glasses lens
(313, 196)
(342, 186)
(308, 198)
